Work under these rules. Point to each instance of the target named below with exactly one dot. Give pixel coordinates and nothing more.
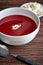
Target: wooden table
(33, 50)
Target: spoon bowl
(4, 50)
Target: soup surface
(17, 25)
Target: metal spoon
(5, 52)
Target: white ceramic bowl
(19, 40)
(38, 6)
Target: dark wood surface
(32, 50)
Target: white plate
(25, 4)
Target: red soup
(17, 25)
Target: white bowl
(38, 6)
(19, 40)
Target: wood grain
(32, 50)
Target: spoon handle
(25, 60)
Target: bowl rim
(30, 17)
